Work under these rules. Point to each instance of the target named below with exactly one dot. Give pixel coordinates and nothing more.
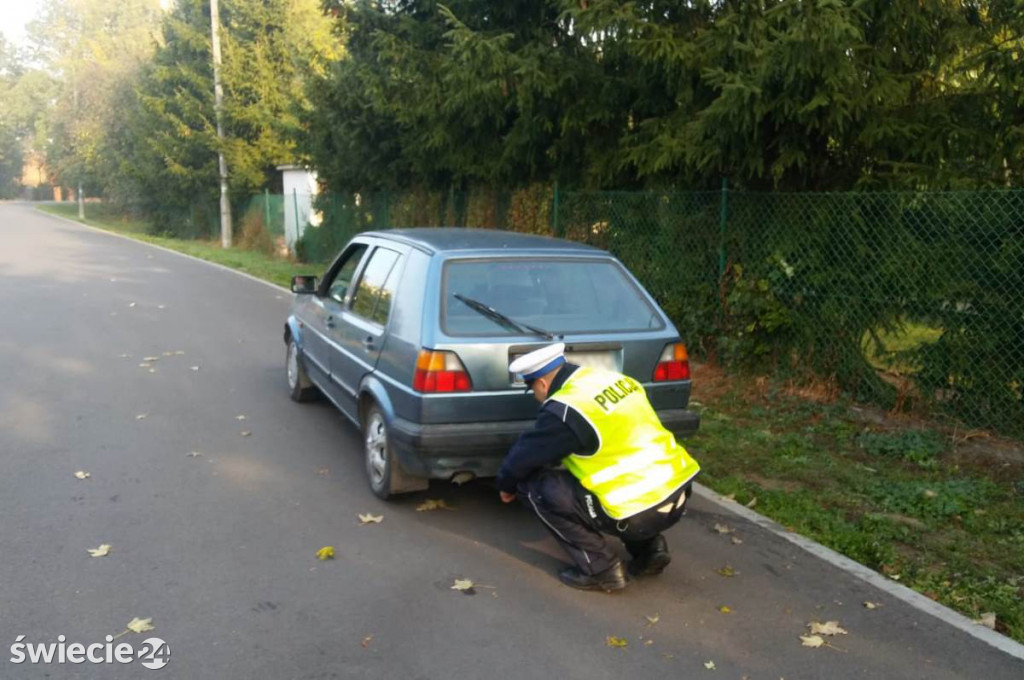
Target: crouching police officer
(625, 474)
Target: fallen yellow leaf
(871, 605)
(141, 416)
(366, 641)
(245, 433)
(651, 620)
(138, 625)
(613, 641)
(753, 502)
(101, 551)
(462, 584)
(82, 475)
(371, 519)
(988, 619)
(710, 665)
(725, 609)
(431, 504)
(727, 571)
(737, 541)
(325, 553)
(723, 528)
(827, 628)
(812, 640)
(648, 643)
(239, 417)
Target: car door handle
(368, 342)
(329, 322)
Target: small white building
(300, 190)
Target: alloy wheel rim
(376, 447)
(293, 366)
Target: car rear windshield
(557, 295)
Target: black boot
(651, 558)
(612, 578)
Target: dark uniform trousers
(575, 518)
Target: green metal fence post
(723, 214)
(266, 208)
(554, 211)
(295, 205)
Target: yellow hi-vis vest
(638, 463)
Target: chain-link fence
(904, 299)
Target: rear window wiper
(498, 317)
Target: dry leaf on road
(812, 640)
(988, 619)
(366, 641)
(431, 504)
(872, 605)
(462, 584)
(240, 417)
(726, 571)
(136, 625)
(131, 304)
(827, 628)
(325, 553)
(725, 609)
(245, 433)
(710, 665)
(193, 454)
(651, 620)
(723, 528)
(101, 551)
(141, 416)
(193, 368)
(151, 359)
(613, 641)
(370, 519)
(82, 475)
(737, 541)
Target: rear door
(360, 331)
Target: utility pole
(78, 116)
(218, 97)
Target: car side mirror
(303, 285)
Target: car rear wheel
(385, 474)
(299, 385)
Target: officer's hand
(507, 497)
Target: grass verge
(274, 269)
(901, 498)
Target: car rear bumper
(439, 451)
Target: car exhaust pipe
(463, 477)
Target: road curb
(890, 587)
(163, 248)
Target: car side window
(339, 285)
(376, 288)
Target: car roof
(460, 239)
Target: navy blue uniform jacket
(559, 431)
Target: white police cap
(539, 362)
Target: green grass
(274, 269)
(897, 500)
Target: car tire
(300, 387)
(383, 471)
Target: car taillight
(440, 372)
(674, 364)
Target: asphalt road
(219, 549)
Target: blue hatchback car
(410, 333)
